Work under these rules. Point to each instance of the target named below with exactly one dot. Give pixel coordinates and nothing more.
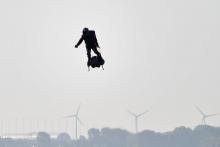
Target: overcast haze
(160, 55)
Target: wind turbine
(76, 118)
(136, 116)
(204, 116)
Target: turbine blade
(131, 113)
(80, 121)
(210, 115)
(142, 113)
(203, 114)
(77, 111)
(69, 116)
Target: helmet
(85, 30)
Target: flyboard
(96, 62)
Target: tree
(43, 140)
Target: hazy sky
(161, 55)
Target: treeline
(201, 136)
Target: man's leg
(97, 52)
(88, 55)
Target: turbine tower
(76, 118)
(204, 116)
(136, 116)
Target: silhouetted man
(91, 42)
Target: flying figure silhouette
(89, 37)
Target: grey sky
(160, 55)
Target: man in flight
(91, 42)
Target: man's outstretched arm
(79, 42)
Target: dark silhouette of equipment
(89, 37)
(96, 61)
